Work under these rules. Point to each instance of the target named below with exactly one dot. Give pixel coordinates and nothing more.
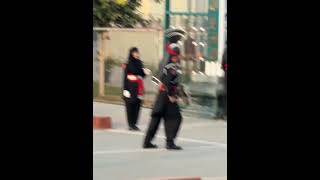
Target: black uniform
(222, 99)
(224, 66)
(165, 109)
(133, 103)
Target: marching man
(166, 105)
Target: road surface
(117, 153)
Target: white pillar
(210, 68)
(222, 25)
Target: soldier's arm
(169, 79)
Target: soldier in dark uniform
(225, 66)
(166, 105)
(222, 98)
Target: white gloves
(147, 71)
(126, 94)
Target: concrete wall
(149, 42)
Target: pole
(213, 17)
(103, 37)
(166, 25)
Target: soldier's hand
(173, 99)
(180, 101)
(184, 101)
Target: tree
(108, 13)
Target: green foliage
(108, 13)
(109, 90)
(111, 62)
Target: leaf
(107, 12)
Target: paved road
(117, 153)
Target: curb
(101, 122)
(118, 103)
(177, 178)
(183, 178)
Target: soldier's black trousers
(132, 109)
(222, 105)
(170, 112)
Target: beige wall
(149, 42)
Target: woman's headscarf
(132, 50)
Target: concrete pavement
(117, 153)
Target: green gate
(199, 18)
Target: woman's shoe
(135, 128)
